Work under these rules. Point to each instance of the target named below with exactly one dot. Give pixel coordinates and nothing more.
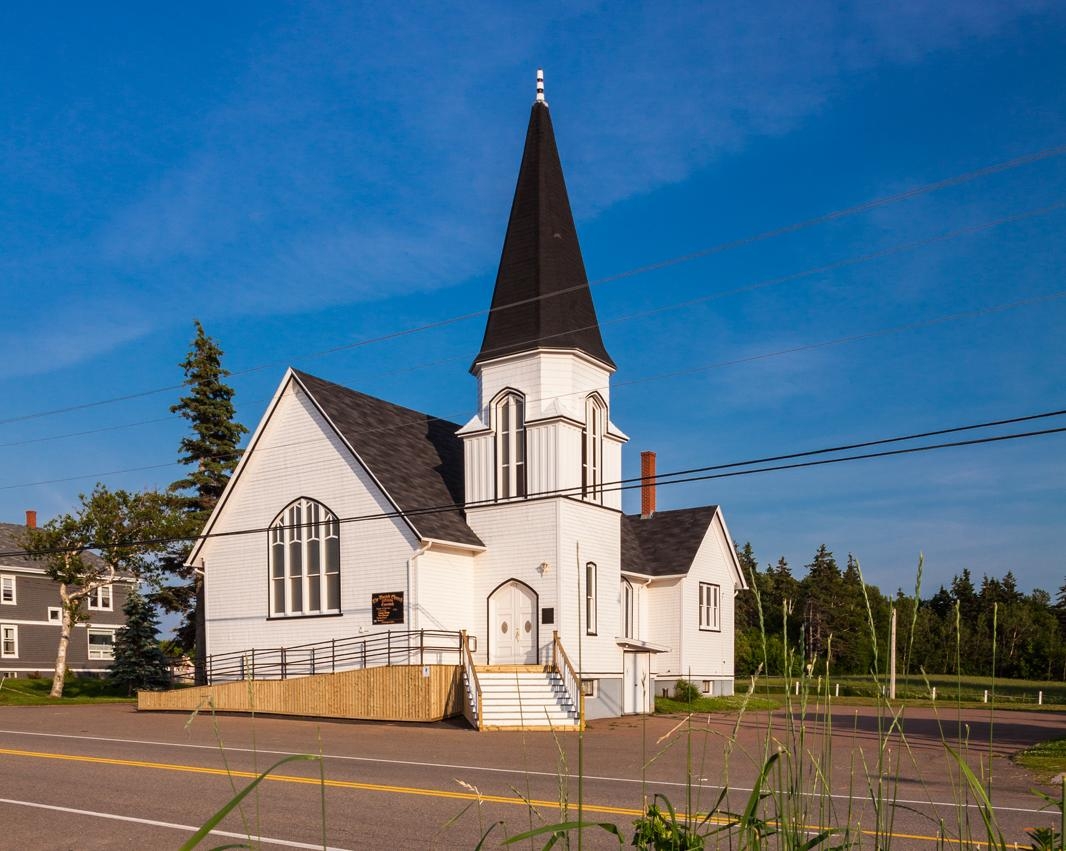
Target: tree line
(834, 615)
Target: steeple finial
(540, 87)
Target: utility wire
(421, 420)
(955, 180)
(696, 474)
(751, 287)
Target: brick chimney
(647, 485)
(31, 519)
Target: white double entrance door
(513, 625)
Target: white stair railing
(571, 681)
(472, 701)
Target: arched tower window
(510, 446)
(629, 610)
(305, 561)
(592, 448)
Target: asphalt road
(86, 777)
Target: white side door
(636, 683)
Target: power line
(695, 474)
(761, 284)
(420, 421)
(866, 206)
(101, 430)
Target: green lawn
(1020, 694)
(733, 703)
(1046, 759)
(34, 692)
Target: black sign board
(387, 608)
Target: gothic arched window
(629, 610)
(592, 448)
(305, 561)
(510, 446)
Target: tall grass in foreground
(797, 801)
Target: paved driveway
(83, 777)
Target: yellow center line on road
(416, 790)
(316, 781)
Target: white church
(508, 527)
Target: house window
(100, 598)
(305, 561)
(101, 643)
(588, 687)
(510, 446)
(590, 598)
(710, 606)
(7, 590)
(592, 448)
(9, 641)
(629, 626)
(55, 614)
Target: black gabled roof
(417, 458)
(542, 296)
(666, 543)
(12, 539)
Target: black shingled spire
(542, 297)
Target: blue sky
(300, 177)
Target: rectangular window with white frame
(590, 598)
(55, 614)
(101, 643)
(710, 607)
(7, 590)
(100, 599)
(9, 641)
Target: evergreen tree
(1060, 608)
(782, 592)
(746, 615)
(212, 452)
(821, 592)
(139, 661)
(852, 642)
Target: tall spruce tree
(212, 452)
(821, 593)
(139, 661)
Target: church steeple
(542, 298)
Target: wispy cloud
(362, 154)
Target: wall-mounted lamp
(543, 568)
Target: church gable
(665, 543)
(416, 457)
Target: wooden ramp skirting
(392, 693)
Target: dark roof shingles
(417, 458)
(12, 539)
(542, 296)
(666, 543)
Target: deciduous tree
(110, 537)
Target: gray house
(30, 615)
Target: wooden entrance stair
(527, 697)
(524, 697)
